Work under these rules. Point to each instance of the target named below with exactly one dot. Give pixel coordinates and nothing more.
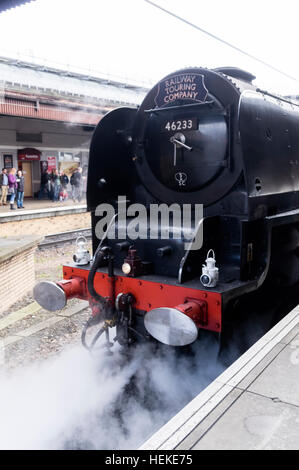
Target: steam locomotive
(201, 138)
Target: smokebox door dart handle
(177, 142)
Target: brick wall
(17, 277)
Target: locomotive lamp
(210, 274)
(82, 255)
(126, 268)
(132, 265)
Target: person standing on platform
(84, 179)
(63, 194)
(64, 180)
(44, 185)
(76, 185)
(56, 186)
(49, 184)
(20, 189)
(80, 182)
(12, 186)
(72, 183)
(4, 186)
(52, 180)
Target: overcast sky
(130, 38)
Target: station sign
(29, 155)
(51, 163)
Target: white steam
(78, 401)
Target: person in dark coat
(76, 179)
(20, 189)
(64, 180)
(56, 185)
(44, 187)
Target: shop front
(29, 162)
(34, 163)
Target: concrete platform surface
(35, 209)
(254, 404)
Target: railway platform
(43, 218)
(253, 405)
(35, 209)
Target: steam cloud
(100, 402)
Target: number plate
(180, 125)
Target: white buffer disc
(49, 295)
(170, 326)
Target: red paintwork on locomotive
(149, 294)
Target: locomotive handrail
(170, 108)
(281, 98)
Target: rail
(63, 237)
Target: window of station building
(7, 161)
(69, 157)
(65, 157)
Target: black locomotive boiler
(200, 136)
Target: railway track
(63, 237)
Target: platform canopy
(7, 4)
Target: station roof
(8, 4)
(31, 77)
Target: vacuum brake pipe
(105, 304)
